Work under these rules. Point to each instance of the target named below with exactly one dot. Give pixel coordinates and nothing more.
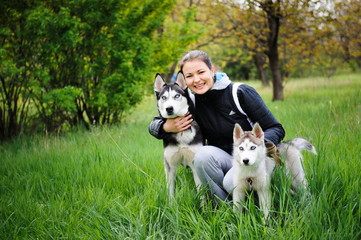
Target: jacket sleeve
(156, 128)
(255, 108)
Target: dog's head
(172, 99)
(248, 146)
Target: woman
(216, 113)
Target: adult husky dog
(173, 100)
(253, 169)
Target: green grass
(109, 183)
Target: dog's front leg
(197, 181)
(198, 184)
(239, 195)
(265, 201)
(171, 175)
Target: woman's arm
(155, 128)
(253, 105)
(160, 127)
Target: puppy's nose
(246, 161)
(169, 110)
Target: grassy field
(109, 183)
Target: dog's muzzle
(170, 110)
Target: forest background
(87, 63)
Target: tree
(346, 21)
(265, 25)
(191, 25)
(16, 68)
(249, 30)
(179, 30)
(274, 17)
(77, 62)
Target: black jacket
(216, 114)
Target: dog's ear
(158, 83)
(237, 132)
(181, 81)
(257, 131)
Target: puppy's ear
(237, 132)
(181, 81)
(257, 131)
(158, 83)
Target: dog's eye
(177, 96)
(253, 147)
(164, 97)
(241, 148)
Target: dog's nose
(246, 161)
(169, 110)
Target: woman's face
(199, 77)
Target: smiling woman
(198, 76)
(198, 71)
(217, 113)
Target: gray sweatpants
(212, 165)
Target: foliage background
(87, 63)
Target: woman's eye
(253, 147)
(241, 148)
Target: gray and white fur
(253, 168)
(173, 100)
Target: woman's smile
(198, 76)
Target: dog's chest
(254, 183)
(184, 155)
(186, 137)
(254, 179)
(183, 149)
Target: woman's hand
(178, 124)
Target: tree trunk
(277, 79)
(259, 60)
(273, 18)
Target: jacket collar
(221, 81)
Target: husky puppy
(253, 169)
(173, 100)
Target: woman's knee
(228, 181)
(203, 156)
